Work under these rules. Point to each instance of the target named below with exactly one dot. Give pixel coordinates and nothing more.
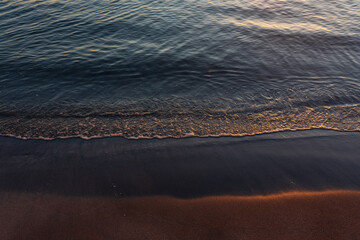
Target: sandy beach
(326, 215)
(288, 185)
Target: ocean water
(156, 68)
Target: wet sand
(185, 168)
(327, 215)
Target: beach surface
(314, 160)
(286, 185)
(326, 215)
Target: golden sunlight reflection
(273, 25)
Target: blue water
(141, 68)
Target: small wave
(187, 135)
(341, 118)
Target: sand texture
(325, 215)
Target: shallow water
(177, 68)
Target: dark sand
(327, 215)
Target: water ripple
(177, 68)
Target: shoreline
(284, 132)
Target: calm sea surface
(175, 68)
